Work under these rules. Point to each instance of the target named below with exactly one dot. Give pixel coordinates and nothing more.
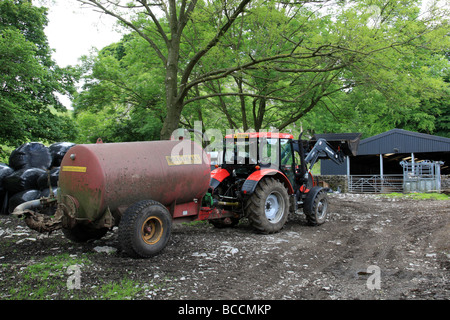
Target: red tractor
(264, 176)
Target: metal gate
(424, 176)
(375, 183)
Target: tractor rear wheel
(144, 229)
(268, 206)
(316, 206)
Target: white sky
(72, 31)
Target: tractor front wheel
(316, 206)
(144, 229)
(268, 207)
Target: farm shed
(377, 167)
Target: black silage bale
(5, 171)
(58, 150)
(23, 179)
(46, 192)
(21, 197)
(3, 202)
(30, 155)
(42, 181)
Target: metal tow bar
(40, 215)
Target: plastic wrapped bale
(58, 150)
(46, 192)
(23, 179)
(30, 155)
(21, 197)
(5, 171)
(42, 181)
(3, 202)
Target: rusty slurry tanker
(142, 187)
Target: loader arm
(322, 150)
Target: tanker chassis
(143, 187)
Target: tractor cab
(245, 153)
(257, 154)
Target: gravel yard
(370, 248)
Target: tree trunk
(172, 120)
(174, 105)
(173, 102)
(242, 100)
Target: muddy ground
(408, 241)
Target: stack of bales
(33, 168)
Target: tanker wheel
(316, 206)
(268, 207)
(83, 233)
(144, 229)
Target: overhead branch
(245, 94)
(107, 11)
(196, 58)
(222, 73)
(155, 20)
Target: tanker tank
(112, 176)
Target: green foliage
(365, 66)
(30, 79)
(121, 97)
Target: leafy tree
(270, 63)
(422, 106)
(30, 79)
(164, 37)
(121, 94)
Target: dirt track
(408, 240)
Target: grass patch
(195, 223)
(418, 196)
(127, 289)
(48, 279)
(40, 280)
